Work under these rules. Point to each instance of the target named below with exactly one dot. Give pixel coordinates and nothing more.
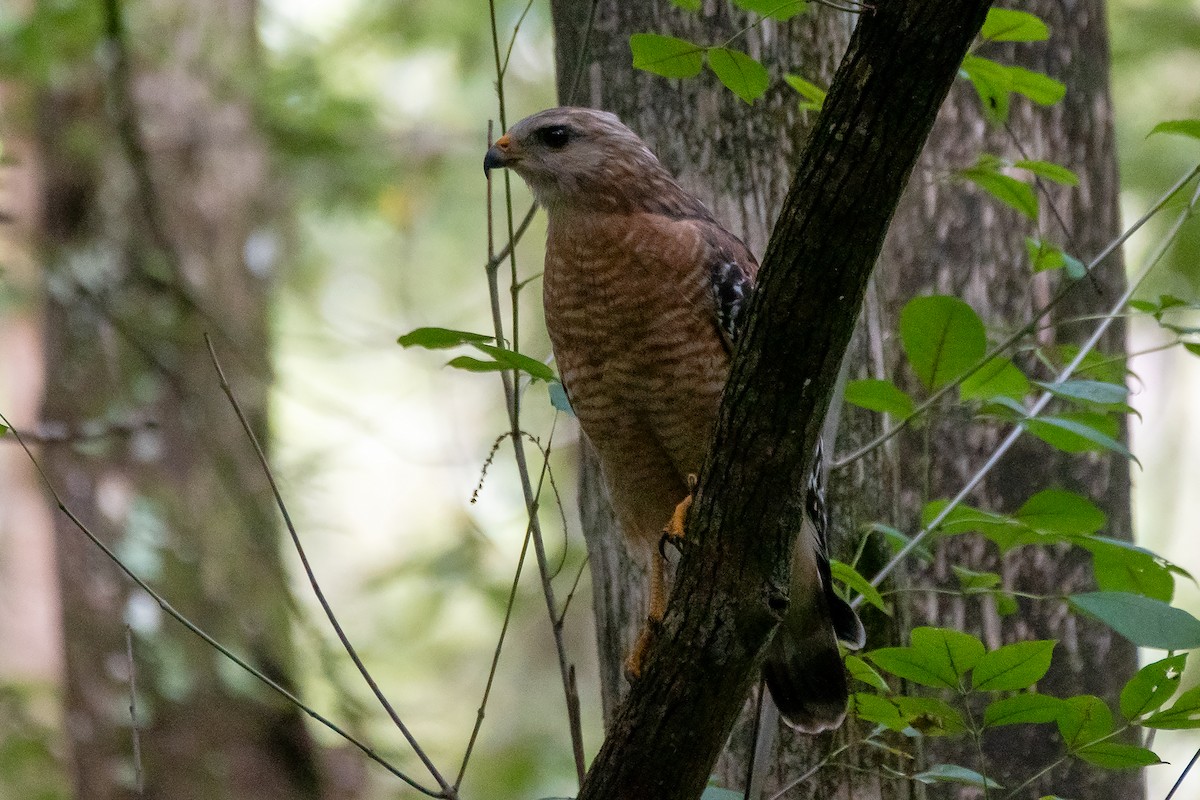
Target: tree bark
(945, 238)
(739, 164)
(949, 238)
(156, 229)
(732, 583)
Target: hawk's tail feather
(806, 677)
(846, 625)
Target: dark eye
(554, 136)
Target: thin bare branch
(447, 789)
(512, 405)
(1182, 775)
(176, 615)
(138, 779)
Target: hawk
(645, 296)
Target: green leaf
(862, 671)
(1006, 25)
(776, 9)
(915, 666)
(510, 359)
(1152, 686)
(880, 710)
(1142, 620)
(879, 395)
(992, 83)
(897, 541)
(1110, 367)
(666, 55)
(1014, 666)
(938, 657)
(3, 431)
(1043, 255)
(1041, 89)
(1119, 570)
(1091, 719)
(1183, 714)
(1071, 434)
(1008, 190)
(942, 336)
(1088, 391)
(1024, 709)
(952, 773)
(1112, 755)
(558, 397)
(472, 364)
(1050, 171)
(740, 73)
(970, 579)
(850, 577)
(930, 715)
(1180, 127)
(814, 95)
(1192, 347)
(1059, 511)
(999, 377)
(688, 5)
(440, 338)
(1005, 531)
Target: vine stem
(1045, 398)
(512, 405)
(1029, 327)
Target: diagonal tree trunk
(945, 238)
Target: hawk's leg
(654, 616)
(673, 533)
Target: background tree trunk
(945, 238)
(156, 212)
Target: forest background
(375, 118)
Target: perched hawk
(645, 296)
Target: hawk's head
(584, 158)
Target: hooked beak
(498, 155)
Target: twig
(512, 599)
(1182, 775)
(487, 689)
(1047, 396)
(447, 789)
(810, 772)
(170, 611)
(508, 379)
(1029, 327)
(57, 433)
(138, 780)
(1041, 186)
(571, 594)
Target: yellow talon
(675, 530)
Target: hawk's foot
(675, 531)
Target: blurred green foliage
(30, 745)
(376, 115)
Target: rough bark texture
(949, 238)
(946, 238)
(739, 163)
(731, 585)
(153, 214)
